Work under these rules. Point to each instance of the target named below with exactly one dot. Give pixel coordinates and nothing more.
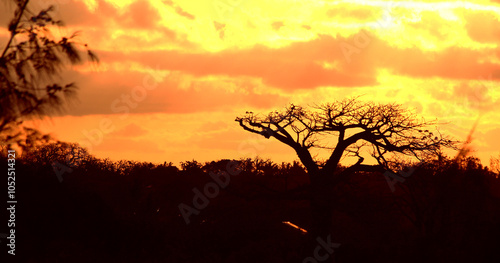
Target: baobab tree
(349, 127)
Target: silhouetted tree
(445, 200)
(382, 128)
(62, 152)
(26, 138)
(30, 60)
(455, 206)
(192, 167)
(495, 164)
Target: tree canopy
(29, 64)
(380, 128)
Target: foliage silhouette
(495, 164)
(127, 211)
(384, 128)
(30, 61)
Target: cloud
(220, 28)
(131, 146)
(131, 130)
(78, 14)
(140, 14)
(137, 26)
(213, 126)
(485, 140)
(296, 66)
(179, 10)
(432, 25)
(491, 139)
(123, 92)
(476, 96)
(224, 139)
(466, 95)
(289, 68)
(483, 26)
(277, 25)
(348, 13)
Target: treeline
(125, 211)
(71, 155)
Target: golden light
(295, 226)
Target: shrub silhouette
(108, 211)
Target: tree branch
(14, 26)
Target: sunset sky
(174, 74)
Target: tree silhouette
(383, 129)
(63, 152)
(29, 63)
(495, 164)
(28, 139)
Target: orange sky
(175, 74)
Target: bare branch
(386, 128)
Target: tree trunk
(321, 215)
(320, 203)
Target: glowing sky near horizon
(175, 74)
